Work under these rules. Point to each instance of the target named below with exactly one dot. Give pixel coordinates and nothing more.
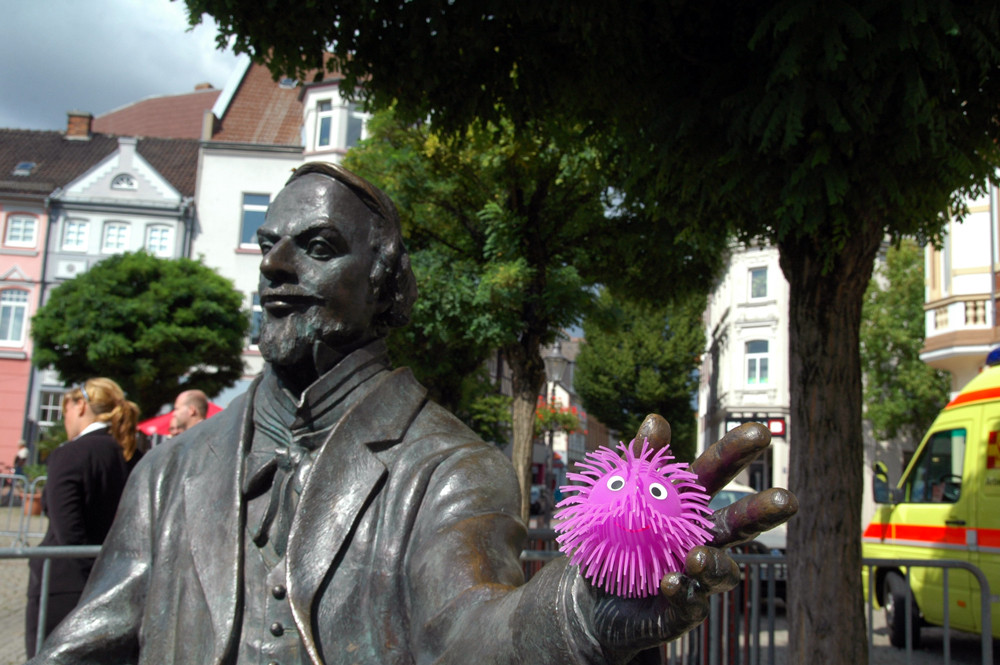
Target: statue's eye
(657, 491)
(318, 248)
(616, 483)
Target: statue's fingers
(725, 458)
(685, 600)
(744, 520)
(656, 430)
(712, 568)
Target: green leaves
(147, 323)
(902, 393)
(640, 359)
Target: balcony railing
(959, 313)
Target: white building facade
(257, 133)
(124, 203)
(744, 371)
(961, 292)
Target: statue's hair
(391, 277)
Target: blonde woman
(86, 476)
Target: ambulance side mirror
(881, 490)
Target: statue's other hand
(625, 626)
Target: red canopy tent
(161, 424)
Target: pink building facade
(24, 224)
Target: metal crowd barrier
(48, 553)
(20, 508)
(946, 565)
(741, 626)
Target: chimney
(78, 125)
(207, 125)
(204, 86)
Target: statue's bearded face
(315, 271)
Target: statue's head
(334, 271)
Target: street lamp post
(555, 367)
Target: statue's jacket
(404, 549)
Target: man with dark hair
(335, 515)
(190, 408)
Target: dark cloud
(98, 55)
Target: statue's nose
(278, 260)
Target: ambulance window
(937, 475)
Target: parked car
(769, 542)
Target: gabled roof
(59, 160)
(254, 108)
(167, 116)
(261, 111)
(175, 159)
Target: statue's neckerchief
(288, 431)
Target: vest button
(278, 591)
(277, 629)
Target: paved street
(965, 647)
(14, 585)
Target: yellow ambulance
(946, 506)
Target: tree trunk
(826, 618)
(527, 380)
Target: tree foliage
(156, 326)
(903, 394)
(497, 218)
(641, 358)
(820, 127)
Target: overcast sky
(98, 55)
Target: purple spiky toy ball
(631, 520)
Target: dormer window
(287, 83)
(324, 123)
(124, 181)
(24, 168)
(339, 125)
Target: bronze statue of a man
(332, 514)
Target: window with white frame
(256, 314)
(13, 315)
(75, 233)
(49, 408)
(254, 211)
(758, 283)
(757, 362)
(124, 181)
(324, 123)
(115, 237)
(356, 118)
(339, 126)
(160, 240)
(21, 231)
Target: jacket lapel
(212, 513)
(345, 475)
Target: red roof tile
(262, 112)
(170, 116)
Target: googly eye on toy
(629, 520)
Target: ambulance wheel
(897, 595)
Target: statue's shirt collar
(284, 418)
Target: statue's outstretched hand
(626, 625)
